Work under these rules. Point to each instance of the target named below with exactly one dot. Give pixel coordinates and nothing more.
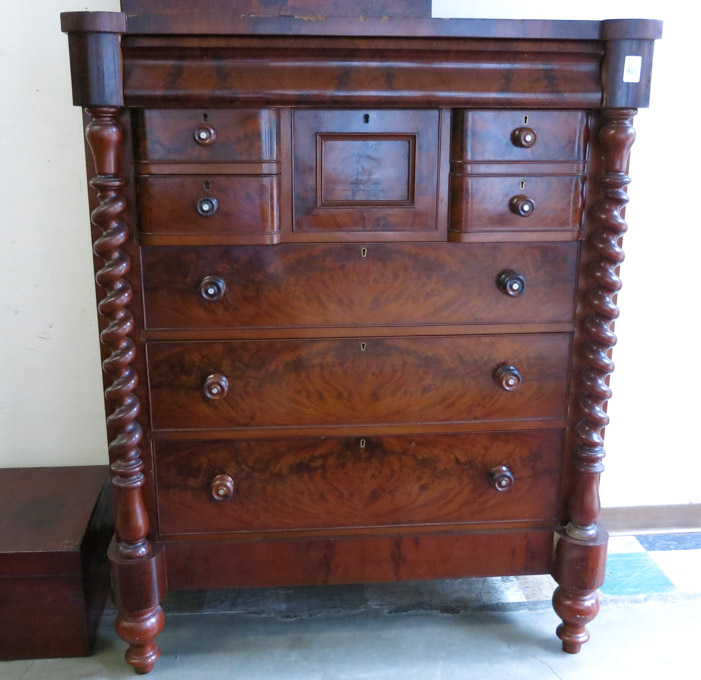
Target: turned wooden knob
(522, 205)
(507, 377)
(204, 134)
(501, 477)
(207, 206)
(212, 288)
(524, 137)
(511, 283)
(222, 488)
(215, 386)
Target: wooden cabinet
(359, 280)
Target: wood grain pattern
(240, 135)
(292, 286)
(331, 382)
(245, 204)
(357, 482)
(485, 203)
(385, 162)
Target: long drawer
(291, 286)
(304, 483)
(326, 382)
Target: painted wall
(51, 410)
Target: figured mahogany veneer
(360, 275)
(353, 285)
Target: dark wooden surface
(294, 286)
(258, 345)
(55, 524)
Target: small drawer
(248, 486)
(344, 285)
(365, 171)
(200, 204)
(518, 203)
(213, 135)
(484, 136)
(378, 380)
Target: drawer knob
(524, 137)
(507, 377)
(212, 288)
(522, 205)
(501, 477)
(222, 488)
(215, 386)
(511, 283)
(207, 206)
(204, 134)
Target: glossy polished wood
(278, 383)
(358, 286)
(358, 482)
(382, 229)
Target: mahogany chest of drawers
(359, 279)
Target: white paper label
(631, 69)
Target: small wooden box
(55, 526)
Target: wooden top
(222, 17)
(45, 510)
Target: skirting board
(652, 519)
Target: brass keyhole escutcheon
(523, 184)
(363, 346)
(363, 252)
(362, 443)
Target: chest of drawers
(357, 283)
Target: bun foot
(140, 630)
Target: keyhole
(206, 186)
(363, 346)
(525, 120)
(205, 117)
(362, 443)
(366, 118)
(523, 184)
(363, 252)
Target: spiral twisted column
(137, 570)
(616, 138)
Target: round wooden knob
(507, 377)
(207, 206)
(524, 137)
(511, 283)
(212, 288)
(222, 488)
(215, 386)
(204, 134)
(522, 205)
(501, 477)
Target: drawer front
(214, 135)
(305, 483)
(357, 171)
(483, 136)
(209, 204)
(516, 203)
(269, 383)
(352, 285)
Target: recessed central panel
(365, 169)
(358, 172)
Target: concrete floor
(656, 638)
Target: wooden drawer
(328, 382)
(516, 203)
(212, 135)
(365, 171)
(307, 484)
(205, 205)
(487, 136)
(347, 285)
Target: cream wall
(51, 409)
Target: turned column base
(579, 568)
(138, 586)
